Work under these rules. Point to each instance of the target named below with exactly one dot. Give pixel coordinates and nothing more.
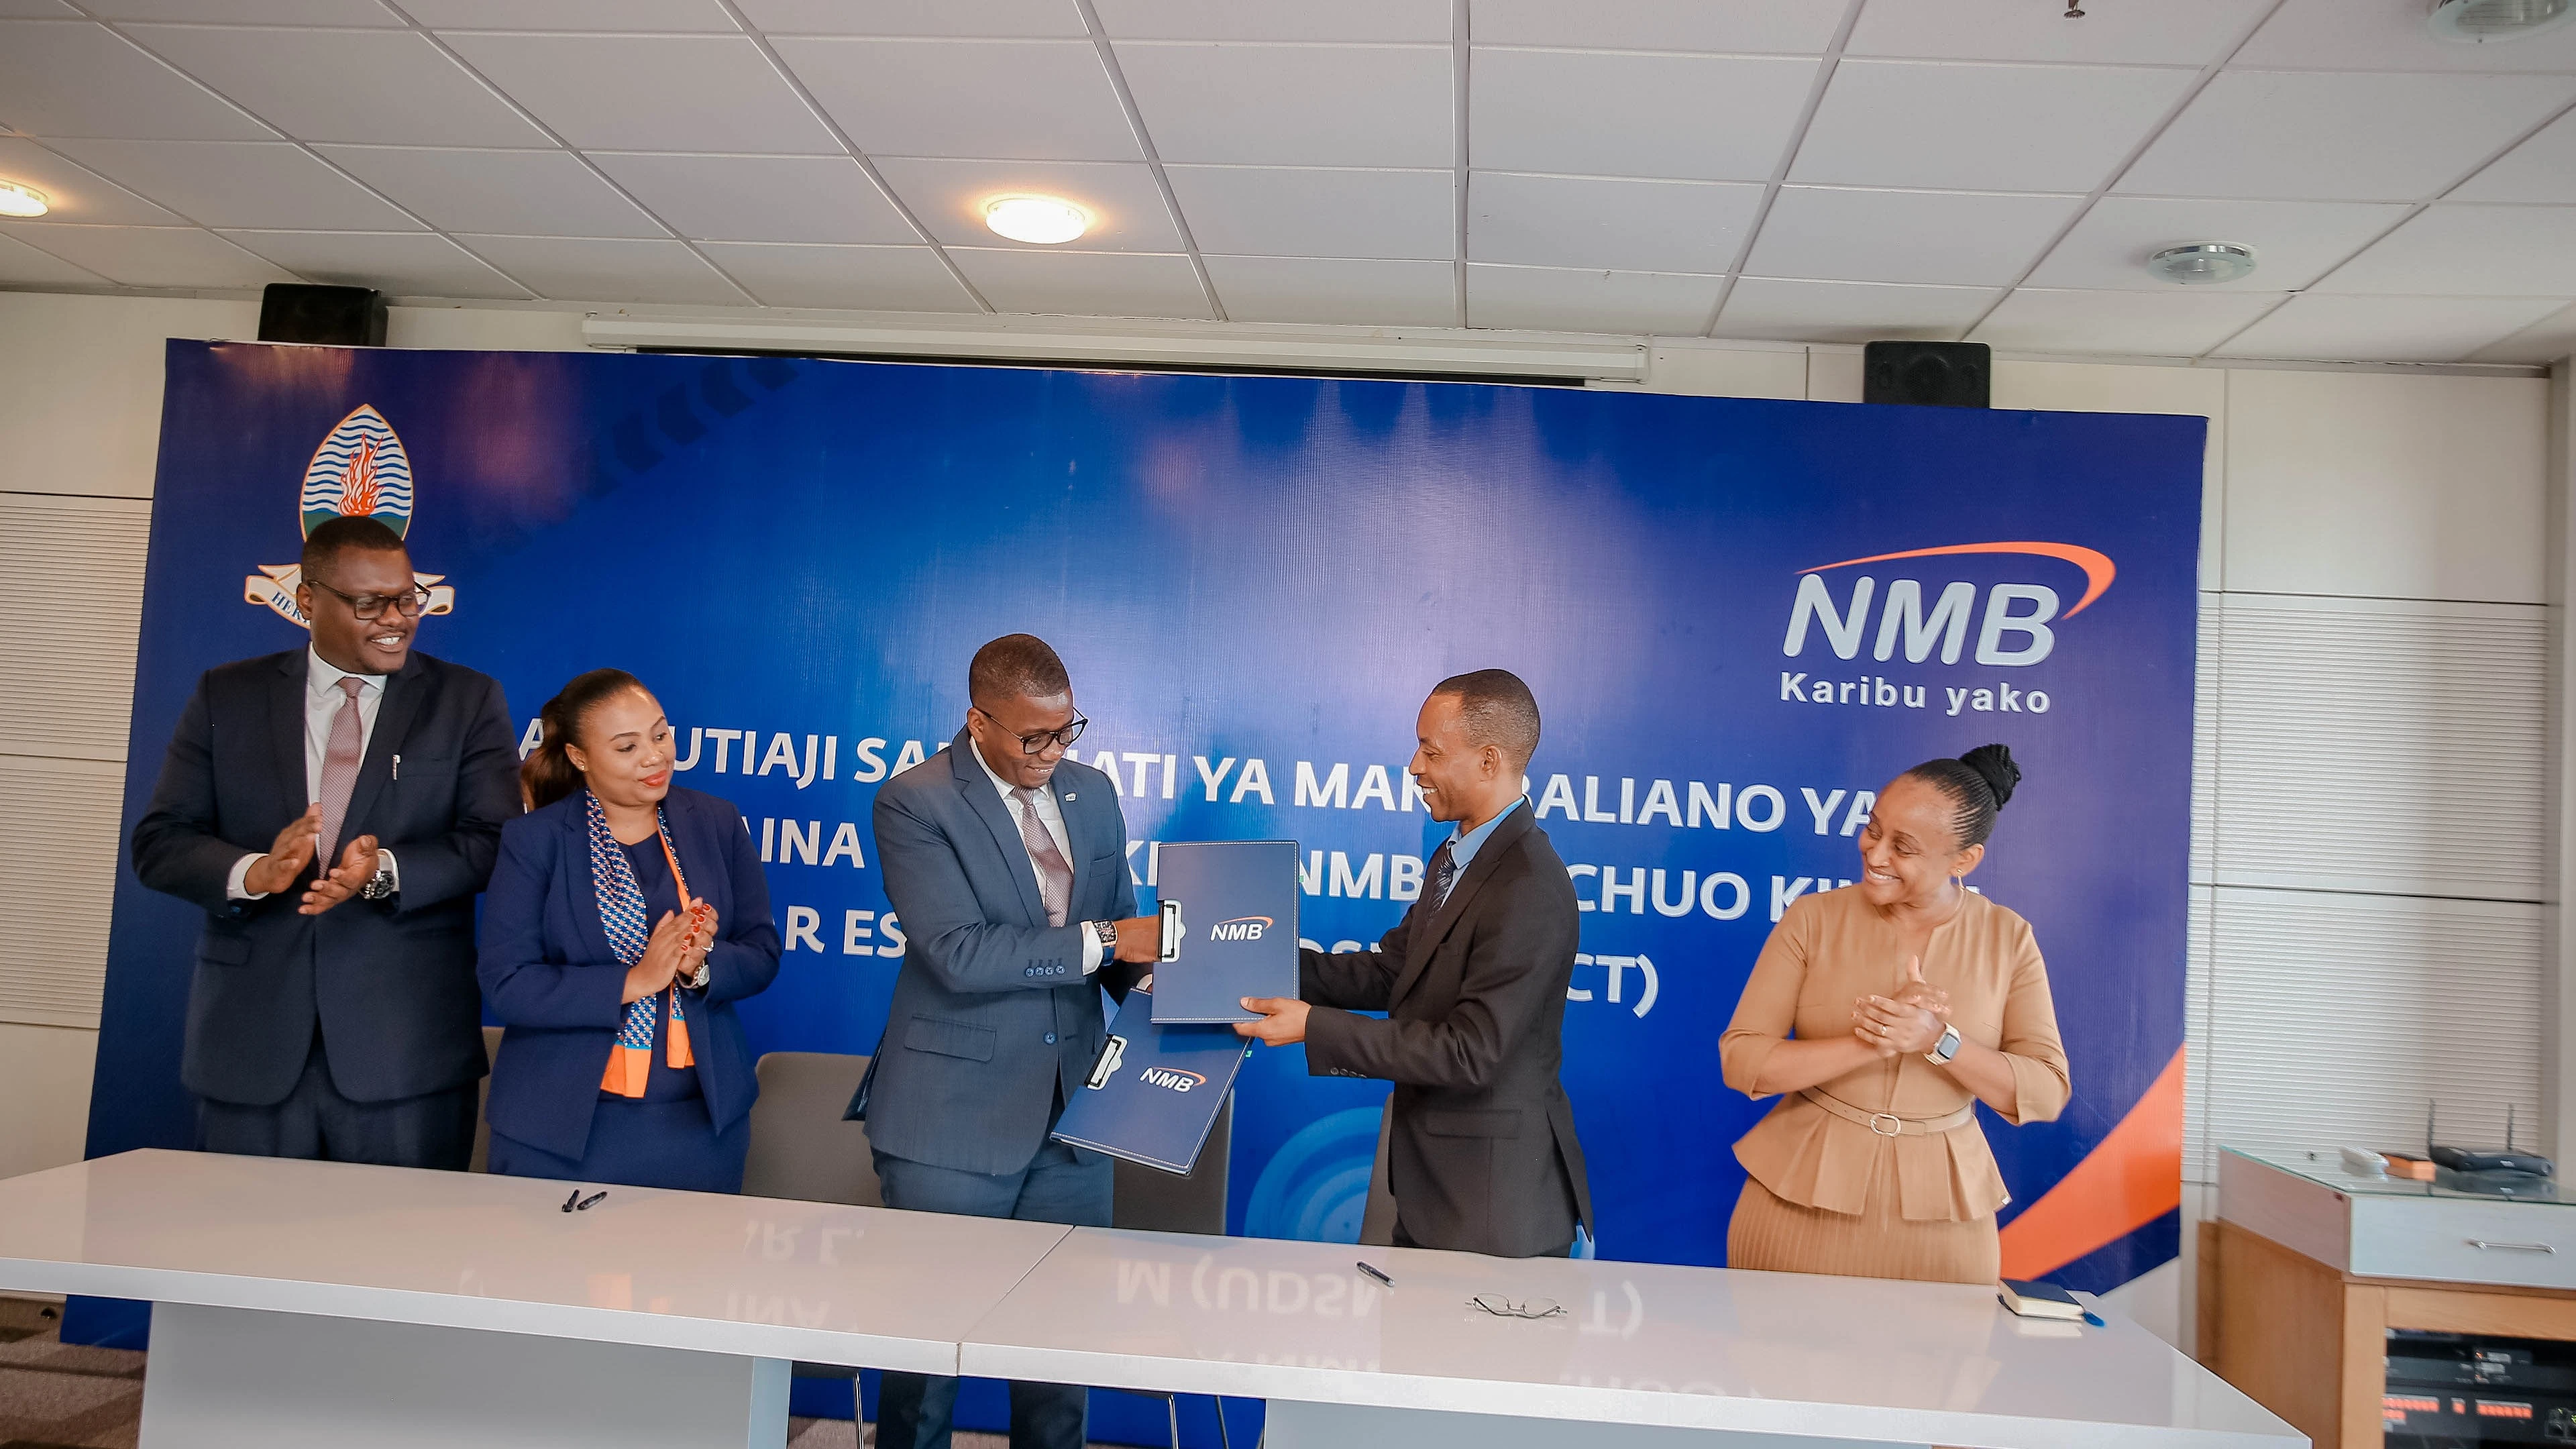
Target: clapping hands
(1910, 1021)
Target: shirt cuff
(1090, 949)
(234, 890)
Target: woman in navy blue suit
(624, 920)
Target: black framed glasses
(373, 606)
(1035, 744)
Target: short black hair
(1016, 666)
(1978, 783)
(333, 537)
(1495, 708)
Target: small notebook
(1154, 1091)
(2040, 1300)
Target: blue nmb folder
(1237, 929)
(1155, 1090)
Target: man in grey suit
(1008, 866)
(1481, 1150)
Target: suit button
(1050, 1038)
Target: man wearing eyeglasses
(335, 809)
(1007, 864)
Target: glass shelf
(2326, 1169)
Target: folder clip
(1173, 930)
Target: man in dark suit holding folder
(1481, 1155)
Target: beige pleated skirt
(1782, 1237)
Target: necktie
(1055, 878)
(1444, 872)
(339, 770)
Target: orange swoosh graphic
(2097, 566)
(2133, 1178)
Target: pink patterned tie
(339, 771)
(1054, 876)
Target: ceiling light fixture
(1043, 220)
(2203, 262)
(17, 200)
(2475, 22)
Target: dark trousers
(1404, 1239)
(1060, 1185)
(435, 1129)
(640, 1144)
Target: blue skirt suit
(556, 984)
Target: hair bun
(1994, 765)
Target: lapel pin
(1069, 795)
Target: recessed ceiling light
(1044, 220)
(2203, 262)
(2475, 22)
(17, 200)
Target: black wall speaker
(331, 316)
(1926, 374)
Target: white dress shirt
(1051, 817)
(322, 702)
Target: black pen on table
(1374, 1273)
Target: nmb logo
(2012, 628)
(1171, 1077)
(1241, 928)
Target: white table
(1646, 1355)
(312, 1304)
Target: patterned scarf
(622, 915)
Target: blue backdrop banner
(1740, 618)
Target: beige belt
(1888, 1124)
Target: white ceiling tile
(1293, 105)
(250, 12)
(76, 193)
(536, 193)
(650, 92)
(387, 86)
(571, 269)
(402, 264)
(1104, 284)
(1335, 20)
(240, 183)
(1703, 117)
(869, 278)
(1793, 26)
(1336, 289)
(2540, 169)
(1128, 213)
(1294, 212)
(151, 256)
(2470, 251)
(2315, 326)
(2294, 242)
(760, 198)
(1582, 221)
(1949, 238)
(2389, 35)
(23, 266)
(1935, 123)
(916, 17)
(2545, 341)
(2166, 32)
(1030, 100)
(2334, 136)
(658, 17)
(72, 78)
(1558, 299)
(1807, 311)
(37, 10)
(2174, 323)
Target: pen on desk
(1374, 1273)
(2094, 1318)
(568, 1202)
(586, 1204)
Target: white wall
(2370, 831)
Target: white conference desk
(310, 1304)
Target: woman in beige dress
(1880, 1015)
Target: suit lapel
(986, 802)
(1424, 943)
(404, 696)
(286, 733)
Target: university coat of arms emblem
(360, 469)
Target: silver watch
(378, 886)
(1106, 933)
(1946, 1048)
(698, 982)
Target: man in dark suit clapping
(1481, 1150)
(335, 809)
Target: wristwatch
(379, 886)
(1106, 933)
(1946, 1048)
(699, 981)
